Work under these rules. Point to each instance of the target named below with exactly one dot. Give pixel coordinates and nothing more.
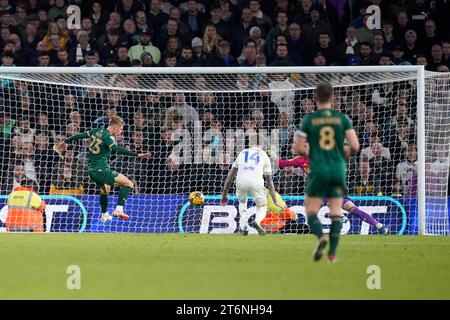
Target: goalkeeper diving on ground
(103, 142)
(303, 163)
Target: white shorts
(257, 191)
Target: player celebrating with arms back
(325, 130)
(250, 166)
(102, 143)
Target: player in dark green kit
(325, 131)
(102, 143)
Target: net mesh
(195, 124)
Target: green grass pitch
(195, 266)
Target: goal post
(206, 115)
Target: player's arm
(228, 181)
(78, 136)
(353, 142)
(120, 150)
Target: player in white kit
(250, 166)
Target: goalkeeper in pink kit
(347, 204)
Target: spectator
(256, 35)
(324, 46)
(437, 58)
(200, 57)
(58, 9)
(210, 39)
(378, 48)
(142, 23)
(128, 8)
(22, 56)
(248, 58)
(240, 31)
(431, 37)
(365, 185)
(446, 50)
(28, 162)
(77, 53)
(364, 34)
(43, 126)
(281, 28)
(349, 47)
(145, 46)
(412, 51)
(405, 169)
(157, 18)
(145, 61)
(282, 57)
(30, 36)
(222, 27)
(186, 57)
(397, 56)
(183, 28)
(320, 59)
(123, 59)
(225, 11)
(44, 159)
(186, 111)
(108, 112)
(173, 46)
(91, 58)
(262, 19)
(315, 27)
(171, 29)
(98, 16)
(422, 60)
(116, 20)
(222, 58)
(130, 35)
(66, 183)
(193, 17)
(170, 60)
(43, 59)
(7, 61)
(109, 49)
(402, 25)
(15, 176)
(365, 54)
(375, 149)
(282, 94)
(388, 35)
(385, 60)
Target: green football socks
(104, 202)
(335, 233)
(123, 195)
(314, 224)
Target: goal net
(195, 122)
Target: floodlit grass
(195, 266)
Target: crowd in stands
(148, 33)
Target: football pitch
(196, 266)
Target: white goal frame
(420, 77)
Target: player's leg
(313, 205)
(349, 206)
(126, 185)
(335, 205)
(104, 191)
(259, 197)
(242, 195)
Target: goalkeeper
(347, 204)
(102, 143)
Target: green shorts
(327, 184)
(103, 176)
